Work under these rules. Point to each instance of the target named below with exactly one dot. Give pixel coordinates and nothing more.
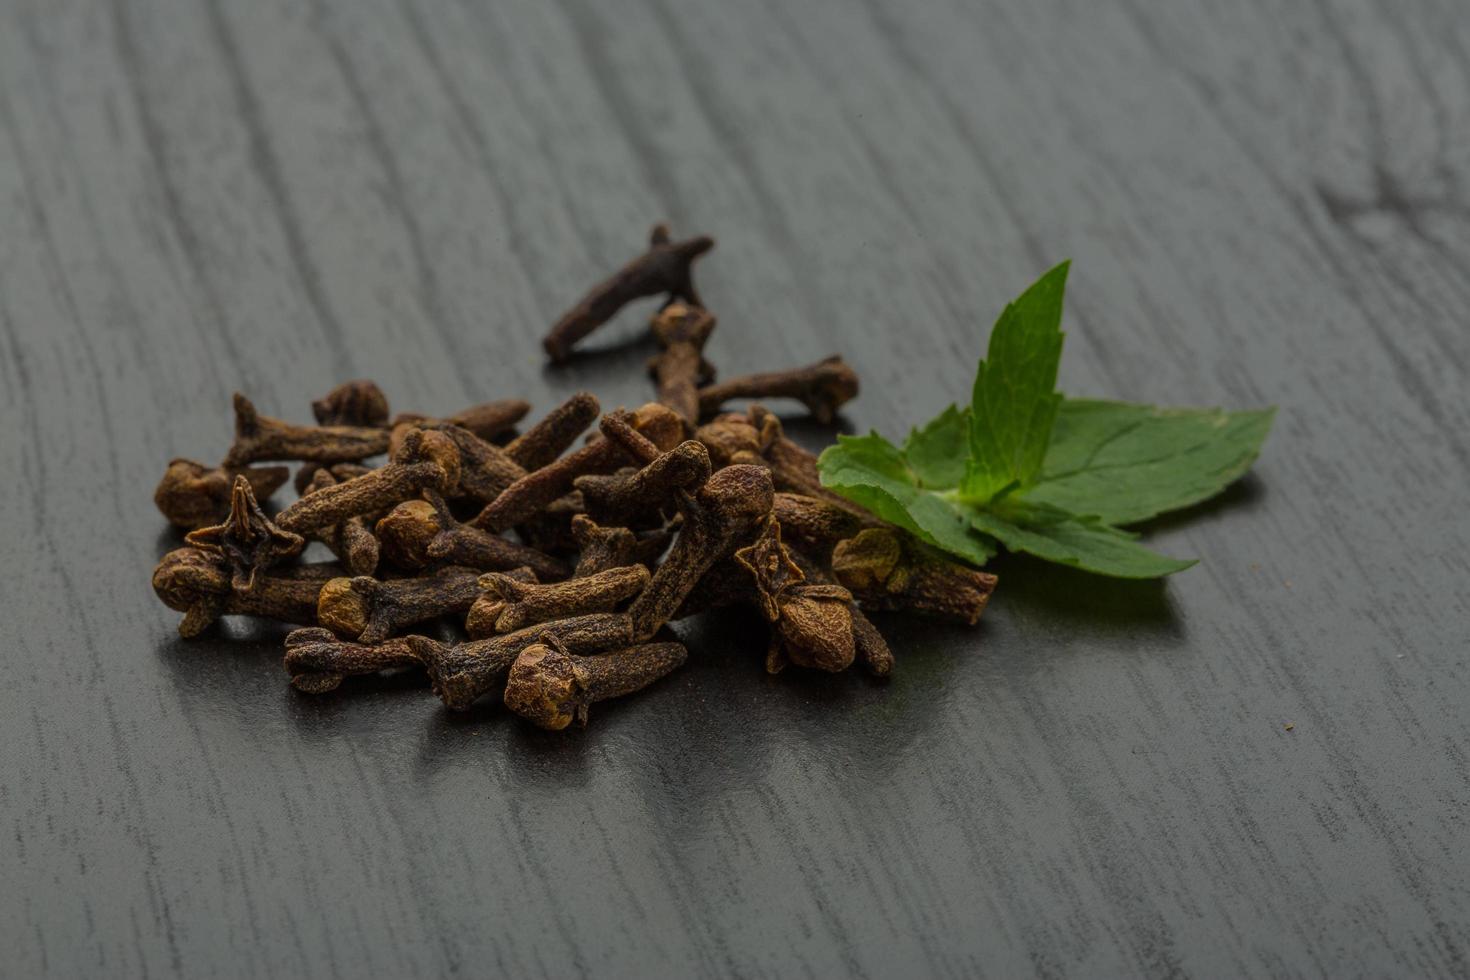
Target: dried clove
(535, 491)
(248, 541)
(258, 438)
(664, 268)
(720, 517)
(811, 623)
(485, 470)
(638, 497)
(822, 387)
(420, 533)
(369, 610)
(342, 472)
(554, 434)
(426, 460)
(318, 660)
(352, 541)
(485, 611)
(192, 495)
(735, 438)
(887, 569)
(197, 584)
(601, 547)
(814, 525)
(667, 511)
(620, 427)
(489, 421)
(526, 603)
(463, 673)
(360, 403)
(884, 566)
(872, 649)
(794, 469)
(680, 368)
(551, 688)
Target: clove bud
(366, 609)
(551, 688)
(664, 268)
(318, 660)
(523, 604)
(463, 673)
(192, 495)
(822, 387)
(258, 437)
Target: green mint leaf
(936, 453)
(1015, 401)
(1124, 462)
(1081, 542)
(1052, 478)
(872, 472)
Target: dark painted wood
(1260, 768)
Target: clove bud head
(737, 438)
(405, 533)
(888, 571)
(815, 628)
(192, 495)
(426, 445)
(739, 494)
(660, 425)
(194, 583)
(682, 323)
(345, 605)
(360, 403)
(184, 574)
(547, 687)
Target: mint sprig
(1056, 478)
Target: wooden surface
(1260, 768)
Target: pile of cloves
(565, 563)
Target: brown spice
(532, 493)
(489, 421)
(369, 610)
(637, 497)
(192, 495)
(720, 517)
(248, 541)
(359, 402)
(664, 268)
(197, 584)
(812, 623)
(317, 659)
(886, 569)
(682, 331)
(352, 541)
(551, 688)
(822, 387)
(736, 438)
(523, 604)
(419, 533)
(554, 434)
(258, 437)
(485, 611)
(485, 470)
(426, 460)
(591, 524)
(463, 673)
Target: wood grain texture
(1264, 202)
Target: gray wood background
(1261, 768)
